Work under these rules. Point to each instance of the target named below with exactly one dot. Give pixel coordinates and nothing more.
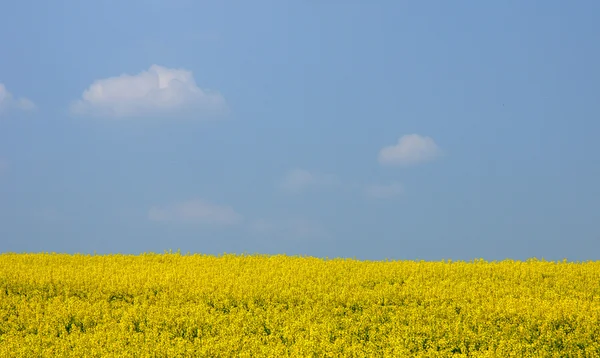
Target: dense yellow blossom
(173, 305)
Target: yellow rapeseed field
(175, 305)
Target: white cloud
(410, 149)
(157, 91)
(8, 101)
(195, 211)
(298, 179)
(384, 191)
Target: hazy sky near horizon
(370, 129)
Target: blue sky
(382, 129)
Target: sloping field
(172, 305)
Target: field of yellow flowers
(177, 305)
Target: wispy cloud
(291, 228)
(384, 191)
(297, 180)
(157, 91)
(9, 102)
(195, 211)
(410, 149)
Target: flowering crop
(173, 305)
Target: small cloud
(25, 104)
(295, 228)
(410, 149)
(384, 191)
(262, 226)
(157, 91)
(297, 180)
(195, 211)
(8, 101)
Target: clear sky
(370, 129)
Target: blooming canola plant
(174, 305)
